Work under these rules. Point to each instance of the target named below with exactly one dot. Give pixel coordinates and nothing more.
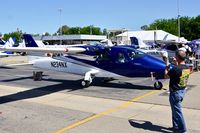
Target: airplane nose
(157, 66)
(160, 69)
(160, 72)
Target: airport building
(71, 39)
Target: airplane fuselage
(114, 62)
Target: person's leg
(178, 96)
(172, 103)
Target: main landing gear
(37, 75)
(158, 85)
(85, 83)
(89, 76)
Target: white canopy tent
(149, 36)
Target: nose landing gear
(158, 85)
(89, 76)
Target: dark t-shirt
(178, 77)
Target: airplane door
(126, 64)
(122, 64)
(104, 61)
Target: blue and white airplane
(9, 43)
(92, 61)
(2, 42)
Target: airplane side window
(103, 57)
(121, 58)
(131, 55)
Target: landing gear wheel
(158, 85)
(37, 75)
(85, 83)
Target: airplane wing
(70, 50)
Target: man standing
(178, 74)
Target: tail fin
(29, 41)
(10, 42)
(134, 41)
(138, 43)
(2, 42)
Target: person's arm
(164, 55)
(167, 71)
(174, 61)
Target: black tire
(85, 83)
(158, 85)
(37, 76)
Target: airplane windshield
(136, 52)
(139, 52)
(133, 53)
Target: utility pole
(179, 28)
(60, 11)
(90, 29)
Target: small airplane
(2, 42)
(9, 43)
(41, 44)
(92, 61)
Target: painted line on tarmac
(109, 111)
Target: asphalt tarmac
(58, 104)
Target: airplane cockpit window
(133, 53)
(121, 58)
(137, 52)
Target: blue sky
(38, 16)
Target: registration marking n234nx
(58, 64)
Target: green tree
(190, 27)
(86, 30)
(144, 27)
(64, 30)
(74, 30)
(17, 35)
(96, 31)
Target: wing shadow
(68, 85)
(41, 91)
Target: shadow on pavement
(146, 125)
(68, 85)
(120, 84)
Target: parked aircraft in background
(2, 42)
(41, 44)
(9, 43)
